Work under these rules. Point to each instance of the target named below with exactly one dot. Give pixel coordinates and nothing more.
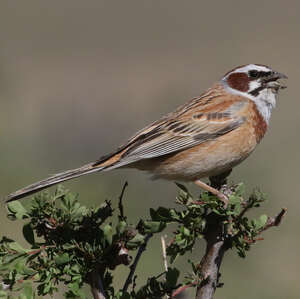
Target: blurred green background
(77, 78)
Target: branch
(164, 252)
(183, 288)
(142, 248)
(164, 255)
(215, 247)
(121, 208)
(211, 261)
(274, 221)
(96, 284)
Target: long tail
(55, 179)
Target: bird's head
(257, 82)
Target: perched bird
(205, 137)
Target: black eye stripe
(254, 74)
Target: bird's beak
(278, 75)
(271, 81)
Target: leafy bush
(74, 245)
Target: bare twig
(247, 206)
(96, 284)
(275, 221)
(121, 208)
(164, 252)
(183, 288)
(142, 248)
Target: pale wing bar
(170, 143)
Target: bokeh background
(77, 78)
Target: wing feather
(199, 121)
(183, 133)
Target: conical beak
(278, 75)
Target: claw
(223, 198)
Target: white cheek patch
(253, 85)
(265, 100)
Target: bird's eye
(254, 74)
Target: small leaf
(28, 291)
(153, 226)
(182, 187)
(108, 233)
(160, 214)
(240, 189)
(186, 232)
(262, 221)
(28, 233)
(172, 277)
(137, 239)
(62, 259)
(17, 247)
(123, 295)
(121, 226)
(17, 209)
(233, 199)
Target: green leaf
(240, 189)
(161, 214)
(153, 226)
(28, 291)
(121, 226)
(28, 233)
(62, 259)
(17, 247)
(261, 222)
(172, 276)
(123, 295)
(108, 233)
(137, 239)
(233, 199)
(182, 187)
(17, 209)
(186, 232)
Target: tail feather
(53, 180)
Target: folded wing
(191, 125)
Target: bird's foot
(214, 191)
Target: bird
(205, 137)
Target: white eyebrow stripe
(249, 67)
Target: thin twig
(248, 205)
(164, 252)
(121, 208)
(183, 288)
(275, 221)
(96, 284)
(142, 248)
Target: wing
(198, 121)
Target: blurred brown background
(77, 78)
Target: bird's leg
(219, 180)
(214, 191)
(216, 183)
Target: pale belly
(207, 159)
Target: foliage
(67, 242)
